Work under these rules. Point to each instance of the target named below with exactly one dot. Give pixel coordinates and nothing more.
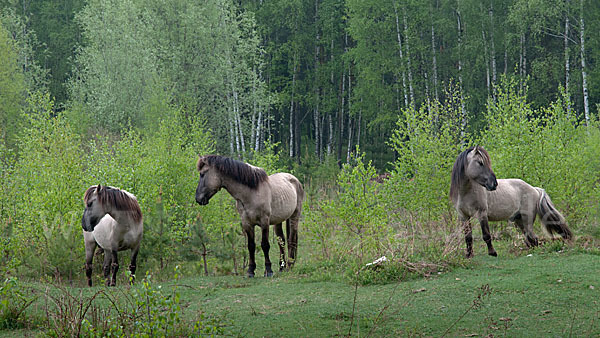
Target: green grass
(543, 292)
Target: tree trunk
(434, 64)
(567, 61)
(408, 63)
(292, 110)
(586, 107)
(204, 253)
(493, 45)
(405, 91)
(316, 88)
(460, 77)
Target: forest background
(128, 93)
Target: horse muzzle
(202, 200)
(491, 185)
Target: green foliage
(426, 142)
(355, 218)
(14, 300)
(154, 312)
(545, 147)
(12, 89)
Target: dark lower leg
(487, 237)
(265, 247)
(106, 266)
(251, 250)
(115, 268)
(88, 272)
(132, 266)
(293, 243)
(468, 230)
(281, 242)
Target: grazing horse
(260, 200)
(112, 219)
(475, 192)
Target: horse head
(209, 182)
(94, 209)
(478, 168)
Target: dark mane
(237, 170)
(119, 199)
(458, 170)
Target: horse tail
(551, 218)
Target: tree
(12, 90)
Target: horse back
(511, 197)
(287, 195)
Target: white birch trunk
(586, 107)
(330, 141)
(460, 78)
(408, 63)
(292, 111)
(493, 46)
(405, 91)
(434, 63)
(231, 136)
(567, 61)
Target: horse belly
(283, 198)
(503, 203)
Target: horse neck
(123, 217)
(239, 191)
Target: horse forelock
(88, 193)
(484, 156)
(120, 200)
(241, 172)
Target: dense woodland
(315, 77)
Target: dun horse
(260, 200)
(112, 220)
(475, 192)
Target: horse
(475, 192)
(260, 200)
(112, 219)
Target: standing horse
(112, 219)
(260, 200)
(475, 192)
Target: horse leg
(264, 244)
(292, 228)
(114, 267)
(485, 230)
(526, 227)
(281, 242)
(106, 266)
(249, 230)
(132, 266)
(468, 231)
(90, 248)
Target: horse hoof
(493, 254)
(250, 275)
(469, 255)
(268, 273)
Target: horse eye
(201, 175)
(480, 163)
(89, 205)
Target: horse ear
(200, 162)
(99, 189)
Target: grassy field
(536, 293)
(551, 294)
